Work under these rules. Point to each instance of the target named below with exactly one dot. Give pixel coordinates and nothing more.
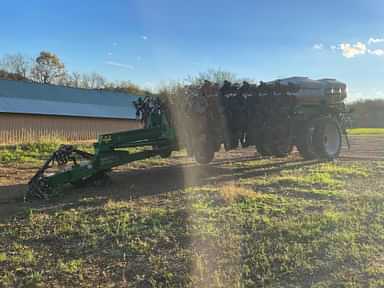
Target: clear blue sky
(149, 41)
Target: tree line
(48, 68)
(367, 113)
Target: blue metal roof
(33, 98)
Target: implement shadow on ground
(130, 185)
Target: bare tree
(64, 80)
(85, 81)
(96, 81)
(48, 68)
(75, 80)
(212, 75)
(16, 64)
(10, 76)
(128, 87)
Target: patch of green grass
(314, 178)
(3, 257)
(366, 131)
(310, 181)
(32, 152)
(324, 179)
(250, 164)
(337, 169)
(72, 266)
(277, 241)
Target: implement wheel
(327, 139)
(305, 141)
(280, 139)
(204, 156)
(263, 149)
(204, 149)
(320, 139)
(282, 150)
(166, 153)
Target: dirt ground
(365, 147)
(132, 183)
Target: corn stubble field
(242, 221)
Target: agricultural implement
(274, 117)
(69, 165)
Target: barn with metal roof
(31, 111)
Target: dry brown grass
(232, 192)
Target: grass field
(36, 153)
(366, 131)
(309, 225)
(33, 152)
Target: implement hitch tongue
(38, 186)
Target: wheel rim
(331, 139)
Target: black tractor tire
(204, 156)
(305, 141)
(234, 143)
(279, 153)
(231, 144)
(327, 139)
(204, 149)
(263, 150)
(227, 141)
(280, 139)
(282, 149)
(166, 153)
(163, 152)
